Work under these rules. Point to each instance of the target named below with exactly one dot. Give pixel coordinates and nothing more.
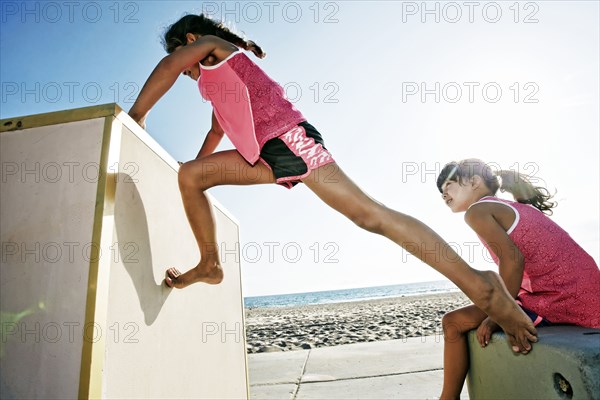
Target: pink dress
(250, 106)
(561, 282)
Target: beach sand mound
(319, 325)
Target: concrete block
(563, 364)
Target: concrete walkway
(394, 369)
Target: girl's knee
(456, 324)
(449, 319)
(454, 320)
(368, 223)
(451, 327)
(184, 175)
(191, 176)
(369, 218)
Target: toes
(531, 334)
(514, 343)
(526, 345)
(532, 338)
(173, 273)
(171, 276)
(519, 345)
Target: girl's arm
(213, 138)
(481, 218)
(166, 73)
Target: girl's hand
(141, 120)
(485, 330)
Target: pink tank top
(561, 282)
(250, 106)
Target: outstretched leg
(456, 326)
(195, 177)
(484, 288)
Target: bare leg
(195, 177)
(484, 288)
(456, 326)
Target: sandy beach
(311, 326)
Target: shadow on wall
(134, 247)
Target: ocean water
(345, 295)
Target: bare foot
(505, 312)
(207, 272)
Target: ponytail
(525, 192)
(202, 25)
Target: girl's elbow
(512, 256)
(519, 259)
(169, 65)
(217, 131)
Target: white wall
(143, 339)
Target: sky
(397, 89)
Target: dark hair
(202, 25)
(517, 184)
